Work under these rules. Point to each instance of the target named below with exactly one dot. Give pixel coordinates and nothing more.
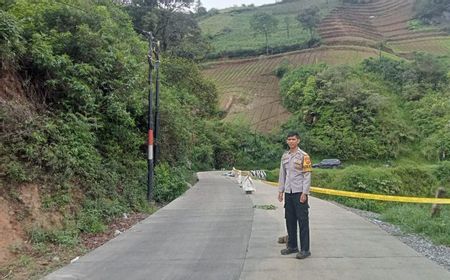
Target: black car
(328, 163)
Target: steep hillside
(73, 129)
(350, 33)
(249, 88)
(15, 108)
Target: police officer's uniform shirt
(295, 172)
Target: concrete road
(203, 234)
(343, 246)
(213, 232)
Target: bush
(282, 68)
(273, 175)
(90, 222)
(431, 11)
(96, 213)
(416, 180)
(15, 172)
(369, 180)
(405, 179)
(11, 41)
(442, 173)
(314, 42)
(169, 183)
(426, 70)
(341, 112)
(67, 238)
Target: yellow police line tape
(376, 196)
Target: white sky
(220, 4)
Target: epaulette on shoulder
(303, 152)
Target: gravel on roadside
(439, 254)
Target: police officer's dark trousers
(297, 212)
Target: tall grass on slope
(416, 218)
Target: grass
(34, 263)
(230, 29)
(416, 219)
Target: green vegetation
(10, 38)
(79, 128)
(76, 127)
(433, 12)
(419, 25)
(379, 110)
(343, 113)
(393, 178)
(264, 23)
(416, 218)
(177, 31)
(404, 179)
(229, 30)
(389, 119)
(309, 19)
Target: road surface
(214, 232)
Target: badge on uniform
(307, 166)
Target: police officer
(294, 183)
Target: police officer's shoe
(303, 254)
(288, 251)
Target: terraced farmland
(435, 45)
(351, 32)
(375, 22)
(250, 90)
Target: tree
(433, 11)
(198, 4)
(430, 70)
(138, 9)
(287, 21)
(309, 19)
(381, 46)
(199, 9)
(264, 23)
(170, 24)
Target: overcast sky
(220, 4)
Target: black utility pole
(157, 136)
(150, 120)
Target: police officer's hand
(303, 198)
(280, 197)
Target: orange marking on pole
(150, 137)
